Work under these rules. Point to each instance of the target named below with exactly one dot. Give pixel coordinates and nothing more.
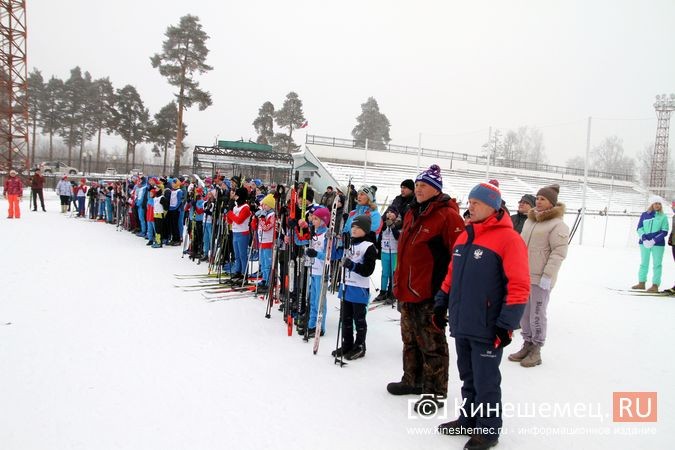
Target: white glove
(545, 283)
(649, 243)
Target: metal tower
(13, 85)
(664, 106)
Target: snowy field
(98, 350)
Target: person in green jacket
(652, 230)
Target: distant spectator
(13, 193)
(402, 202)
(37, 183)
(328, 197)
(525, 204)
(652, 230)
(64, 190)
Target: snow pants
(240, 244)
(266, 264)
(80, 206)
(141, 218)
(656, 254)
(315, 292)
(388, 268)
(13, 211)
(533, 322)
(478, 366)
(38, 193)
(208, 230)
(353, 316)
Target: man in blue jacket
(484, 294)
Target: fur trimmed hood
(558, 211)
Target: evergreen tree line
(80, 109)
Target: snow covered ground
(98, 350)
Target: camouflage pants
(425, 349)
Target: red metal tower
(13, 85)
(664, 106)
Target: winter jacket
(518, 220)
(327, 199)
(64, 188)
(37, 182)
(429, 232)
(653, 226)
(357, 283)
(546, 237)
(401, 204)
(13, 186)
(375, 218)
(488, 280)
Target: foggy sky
(446, 69)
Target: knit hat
(368, 190)
(655, 199)
(362, 221)
(529, 199)
(550, 193)
(487, 193)
(410, 184)
(242, 193)
(268, 200)
(432, 177)
(83, 180)
(323, 214)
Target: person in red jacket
(430, 228)
(240, 218)
(37, 184)
(484, 296)
(13, 193)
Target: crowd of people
(482, 275)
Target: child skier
(317, 250)
(150, 217)
(355, 290)
(388, 240)
(266, 221)
(209, 206)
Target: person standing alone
(13, 193)
(37, 184)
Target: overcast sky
(446, 69)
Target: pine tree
(74, 98)
(52, 111)
(183, 55)
(102, 111)
(289, 116)
(371, 125)
(264, 123)
(131, 120)
(163, 130)
(36, 92)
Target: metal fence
(473, 159)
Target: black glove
(349, 264)
(311, 253)
(439, 319)
(292, 223)
(345, 216)
(502, 337)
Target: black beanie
(242, 194)
(410, 184)
(363, 221)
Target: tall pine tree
(163, 131)
(52, 111)
(289, 116)
(101, 111)
(371, 125)
(36, 92)
(131, 120)
(183, 56)
(74, 103)
(264, 123)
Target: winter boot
(653, 288)
(479, 442)
(358, 351)
(533, 358)
(522, 353)
(456, 427)
(339, 352)
(382, 296)
(640, 285)
(428, 404)
(400, 388)
(150, 242)
(156, 245)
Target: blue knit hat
(432, 177)
(487, 193)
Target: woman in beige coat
(546, 237)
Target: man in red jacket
(484, 295)
(430, 228)
(13, 193)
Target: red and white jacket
(240, 217)
(266, 229)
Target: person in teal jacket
(652, 230)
